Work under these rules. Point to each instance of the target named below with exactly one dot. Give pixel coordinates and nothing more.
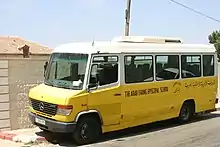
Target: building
(21, 68)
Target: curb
(7, 136)
(21, 138)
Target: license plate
(40, 121)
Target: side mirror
(45, 68)
(93, 84)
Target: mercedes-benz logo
(41, 106)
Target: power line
(191, 9)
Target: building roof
(12, 45)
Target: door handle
(117, 94)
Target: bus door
(105, 93)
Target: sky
(55, 22)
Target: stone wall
(23, 75)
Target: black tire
(186, 112)
(88, 130)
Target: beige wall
(4, 96)
(37, 57)
(23, 75)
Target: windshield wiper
(61, 85)
(48, 83)
(66, 87)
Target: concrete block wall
(23, 74)
(4, 96)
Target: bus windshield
(66, 70)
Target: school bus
(94, 88)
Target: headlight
(64, 110)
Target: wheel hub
(185, 113)
(84, 131)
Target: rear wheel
(186, 112)
(88, 130)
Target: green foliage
(214, 38)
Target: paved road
(203, 132)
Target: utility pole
(127, 18)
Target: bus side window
(191, 66)
(167, 67)
(107, 70)
(138, 68)
(208, 66)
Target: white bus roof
(117, 46)
(146, 39)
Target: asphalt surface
(203, 131)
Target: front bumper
(52, 125)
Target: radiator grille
(44, 107)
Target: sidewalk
(30, 135)
(7, 143)
(217, 106)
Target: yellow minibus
(93, 88)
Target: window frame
(50, 63)
(104, 55)
(214, 66)
(200, 64)
(179, 65)
(90, 70)
(138, 82)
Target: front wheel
(88, 130)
